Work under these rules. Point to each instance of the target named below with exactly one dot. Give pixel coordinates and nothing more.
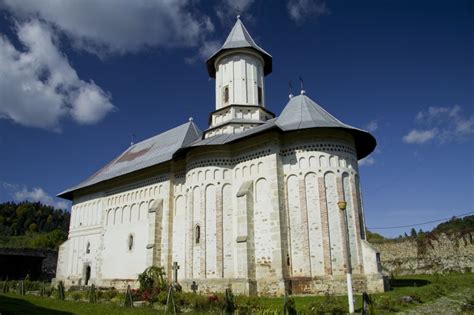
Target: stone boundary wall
(433, 254)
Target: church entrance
(87, 274)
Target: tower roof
(301, 112)
(239, 37)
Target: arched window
(197, 233)
(88, 248)
(130, 242)
(225, 94)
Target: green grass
(16, 304)
(424, 288)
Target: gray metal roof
(239, 37)
(300, 113)
(152, 151)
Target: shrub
(109, 294)
(152, 277)
(229, 303)
(76, 296)
(290, 306)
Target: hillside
(32, 225)
(454, 226)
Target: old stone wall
(433, 254)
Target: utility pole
(342, 206)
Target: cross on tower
(175, 271)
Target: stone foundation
(296, 285)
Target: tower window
(225, 94)
(88, 248)
(197, 233)
(260, 95)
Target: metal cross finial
(290, 85)
(302, 85)
(133, 139)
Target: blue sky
(77, 79)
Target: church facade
(251, 203)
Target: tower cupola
(239, 68)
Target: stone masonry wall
(443, 253)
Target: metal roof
(152, 151)
(300, 113)
(239, 37)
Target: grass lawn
(424, 288)
(16, 304)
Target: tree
(413, 232)
(33, 227)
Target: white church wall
(124, 214)
(305, 163)
(205, 197)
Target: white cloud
(419, 136)
(205, 51)
(119, 26)
(367, 161)
(443, 124)
(38, 86)
(36, 194)
(300, 10)
(372, 126)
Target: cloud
(372, 126)
(204, 52)
(119, 26)
(300, 10)
(442, 124)
(36, 194)
(419, 136)
(38, 86)
(367, 161)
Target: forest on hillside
(455, 225)
(32, 225)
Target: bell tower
(239, 68)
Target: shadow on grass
(400, 283)
(10, 305)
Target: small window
(260, 96)
(197, 234)
(130, 242)
(88, 248)
(225, 94)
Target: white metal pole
(350, 297)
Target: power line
(416, 224)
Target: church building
(253, 202)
